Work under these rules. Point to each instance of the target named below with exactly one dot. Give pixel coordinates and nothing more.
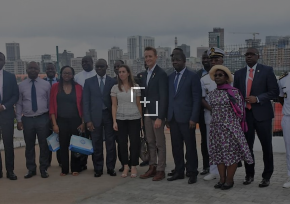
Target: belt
(36, 116)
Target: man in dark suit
(156, 92)
(9, 94)
(202, 126)
(97, 108)
(52, 79)
(259, 86)
(183, 114)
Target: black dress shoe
(264, 183)
(248, 180)
(111, 172)
(227, 186)
(44, 174)
(121, 169)
(1, 174)
(30, 174)
(98, 173)
(144, 163)
(171, 173)
(192, 179)
(175, 177)
(219, 185)
(204, 171)
(11, 175)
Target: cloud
(80, 25)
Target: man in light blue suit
(183, 114)
(97, 108)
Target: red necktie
(249, 86)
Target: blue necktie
(33, 97)
(0, 99)
(176, 81)
(102, 84)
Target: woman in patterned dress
(227, 144)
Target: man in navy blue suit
(9, 95)
(183, 114)
(258, 85)
(97, 112)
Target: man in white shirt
(80, 78)
(88, 70)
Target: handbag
(144, 152)
(80, 145)
(53, 142)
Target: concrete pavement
(108, 190)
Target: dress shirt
(104, 79)
(81, 77)
(180, 76)
(53, 80)
(24, 104)
(149, 73)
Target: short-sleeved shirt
(284, 87)
(126, 110)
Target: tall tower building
(115, 53)
(92, 53)
(137, 44)
(65, 58)
(12, 51)
(186, 49)
(216, 38)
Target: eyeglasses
(218, 75)
(100, 66)
(250, 54)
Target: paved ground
(108, 190)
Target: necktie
(102, 84)
(176, 81)
(33, 97)
(50, 81)
(0, 99)
(249, 86)
(102, 89)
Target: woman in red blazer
(65, 109)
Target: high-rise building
(45, 59)
(115, 53)
(200, 51)
(16, 67)
(137, 44)
(12, 51)
(272, 40)
(216, 38)
(65, 58)
(92, 53)
(186, 49)
(163, 51)
(76, 63)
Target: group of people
(229, 109)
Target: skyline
(80, 26)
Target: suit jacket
(10, 94)
(201, 112)
(264, 86)
(157, 90)
(93, 99)
(186, 102)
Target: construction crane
(254, 34)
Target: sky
(77, 25)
